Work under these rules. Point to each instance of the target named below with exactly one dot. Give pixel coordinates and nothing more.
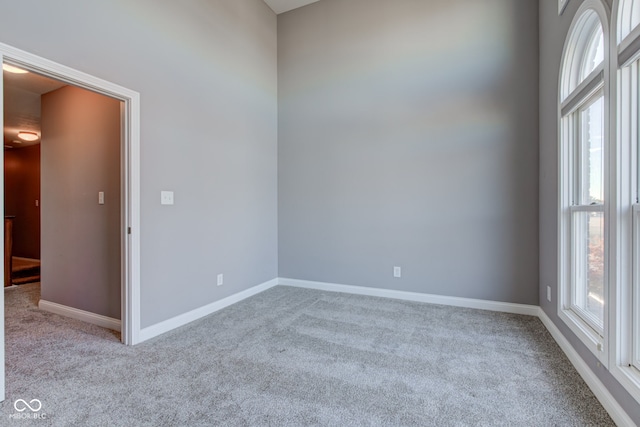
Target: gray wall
(207, 74)
(80, 156)
(553, 32)
(408, 136)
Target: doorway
(130, 181)
(69, 136)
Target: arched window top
(628, 18)
(584, 52)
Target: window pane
(591, 180)
(586, 53)
(594, 54)
(588, 250)
(628, 18)
(634, 19)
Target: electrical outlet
(220, 279)
(397, 272)
(166, 197)
(549, 293)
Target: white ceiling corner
(281, 6)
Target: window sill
(592, 340)
(629, 378)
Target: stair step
(24, 270)
(32, 271)
(25, 280)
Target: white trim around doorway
(130, 322)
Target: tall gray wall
(80, 156)
(206, 71)
(408, 136)
(553, 32)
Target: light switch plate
(166, 197)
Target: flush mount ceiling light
(28, 136)
(11, 69)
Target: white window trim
(628, 50)
(627, 211)
(592, 84)
(635, 300)
(598, 344)
(585, 317)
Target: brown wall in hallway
(21, 190)
(81, 238)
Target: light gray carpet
(297, 357)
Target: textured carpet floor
(296, 357)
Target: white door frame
(130, 160)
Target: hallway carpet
(295, 357)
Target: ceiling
(281, 6)
(22, 94)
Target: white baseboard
(529, 310)
(181, 320)
(619, 416)
(85, 316)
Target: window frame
(585, 317)
(580, 206)
(625, 295)
(634, 353)
(572, 97)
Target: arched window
(599, 193)
(584, 96)
(627, 287)
(584, 52)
